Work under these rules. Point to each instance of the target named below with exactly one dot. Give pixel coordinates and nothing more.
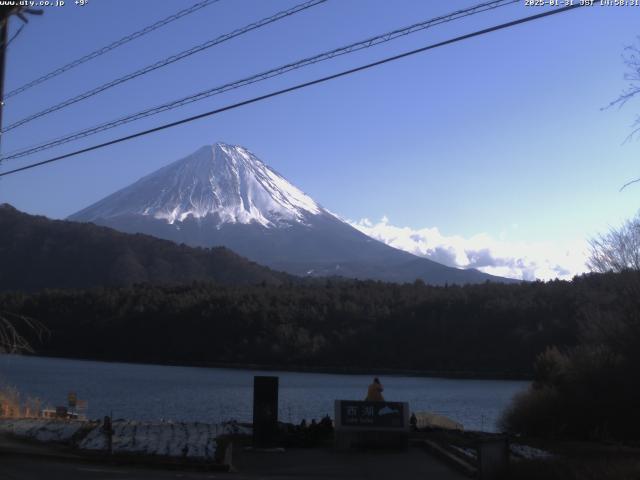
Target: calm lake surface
(212, 395)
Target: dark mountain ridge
(37, 252)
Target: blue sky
(500, 136)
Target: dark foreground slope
(36, 253)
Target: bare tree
(631, 58)
(618, 250)
(11, 338)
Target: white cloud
(522, 260)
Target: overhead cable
(113, 45)
(367, 43)
(164, 62)
(299, 86)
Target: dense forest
(590, 391)
(36, 253)
(477, 330)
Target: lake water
(147, 392)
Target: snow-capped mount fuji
(223, 181)
(224, 195)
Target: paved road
(21, 468)
(294, 464)
(322, 464)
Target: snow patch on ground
(470, 453)
(172, 439)
(517, 450)
(42, 430)
(193, 440)
(529, 453)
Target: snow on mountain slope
(220, 180)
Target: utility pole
(4, 39)
(5, 13)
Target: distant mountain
(36, 253)
(224, 195)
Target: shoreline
(332, 370)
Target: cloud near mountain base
(521, 260)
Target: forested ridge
(37, 253)
(477, 330)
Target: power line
(167, 61)
(298, 87)
(15, 35)
(4, 43)
(367, 43)
(112, 46)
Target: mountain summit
(224, 181)
(223, 195)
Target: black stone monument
(265, 411)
